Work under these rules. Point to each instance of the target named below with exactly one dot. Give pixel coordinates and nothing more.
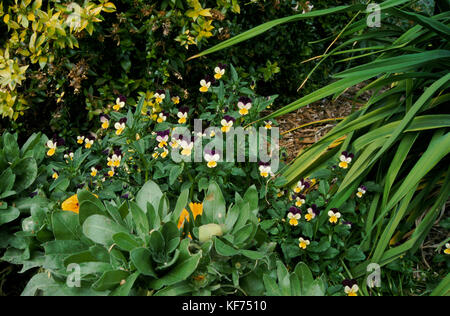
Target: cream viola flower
(280, 193)
(205, 84)
(162, 117)
(120, 103)
(447, 249)
(55, 174)
(114, 160)
(104, 119)
(312, 212)
(301, 185)
(164, 153)
(212, 157)
(334, 216)
(345, 159)
(111, 172)
(80, 139)
(268, 125)
(176, 100)
(244, 105)
(219, 71)
(227, 123)
(294, 216)
(88, 142)
(265, 170)
(160, 95)
(94, 171)
(303, 243)
(51, 148)
(300, 200)
(162, 138)
(186, 147)
(361, 191)
(120, 126)
(182, 115)
(70, 156)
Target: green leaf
(150, 193)
(101, 229)
(66, 225)
(126, 241)
(8, 215)
(26, 171)
(110, 280)
(141, 258)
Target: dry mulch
(296, 140)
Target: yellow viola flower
(182, 115)
(268, 125)
(334, 216)
(51, 148)
(71, 204)
(196, 209)
(312, 212)
(68, 156)
(351, 291)
(447, 249)
(303, 243)
(300, 200)
(88, 143)
(211, 157)
(227, 123)
(80, 140)
(244, 105)
(280, 193)
(111, 172)
(104, 119)
(94, 172)
(176, 100)
(164, 153)
(120, 126)
(120, 103)
(114, 160)
(162, 117)
(55, 175)
(186, 147)
(160, 95)
(219, 71)
(204, 86)
(294, 216)
(265, 170)
(301, 185)
(162, 138)
(345, 160)
(361, 191)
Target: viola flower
(294, 216)
(280, 193)
(302, 184)
(111, 172)
(71, 204)
(176, 100)
(303, 243)
(219, 71)
(186, 147)
(300, 200)
(89, 141)
(345, 159)
(205, 84)
(227, 123)
(162, 138)
(447, 249)
(312, 213)
(244, 105)
(80, 139)
(268, 124)
(164, 153)
(160, 95)
(350, 287)
(104, 119)
(120, 126)
(265, 170)
(162, 117)
(182, 115)
(120, 103)
(334, 215)
(51, 148)
(94, 171)
(114, 161)
(69, 156)
(212, 157)
(361, 191)
(196, 209)
(55, 174)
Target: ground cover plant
(161, 172)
